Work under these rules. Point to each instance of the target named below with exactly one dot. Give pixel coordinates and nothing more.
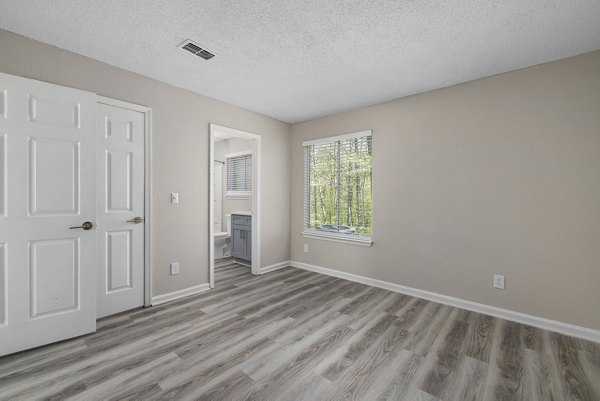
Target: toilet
(223, 239)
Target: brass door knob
(86, 226)
(135, 220)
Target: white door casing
(47, 184)
(120, 184)
(256, 197)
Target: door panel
(3, 104)
(3, 173)
(53, 112)
(3, 284)
(47, 261)
(48, 160)
(120, 130)
(47, 165)
(119, 266)
(120, 179)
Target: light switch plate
(174, 198)
(174, 268)
(498, 281)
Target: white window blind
(239, 175)
(338, 185)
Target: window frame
(331, 236)
(238, 194)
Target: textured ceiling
(298, 60)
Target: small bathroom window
(239, 175)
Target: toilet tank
(228, 223)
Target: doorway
(241, 185)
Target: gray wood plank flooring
(298, 335)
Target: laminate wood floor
(298, 335)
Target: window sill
(338, 238)
(239, 195)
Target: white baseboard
(171, 296)
(543, 323)
(276, 266)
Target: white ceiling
(298, 60)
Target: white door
(120, 209)
(47, 185)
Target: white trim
(186, 292)
(338, 138)
(148, 211)
(543, 323)
(232, 132)
(347, 239)
(211, 208)
(238, 194)
(276, 266)
(256, 205)
(256, 196)
(147, 111)
(122, 104)
(236, 154)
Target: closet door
(120, 209)
(47, 213)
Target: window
(239, 174)
(337, 188)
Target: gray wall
(499, 175)
(180, 155)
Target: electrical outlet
(174, 268)
(498, 281)
(306, 248)
(174, 198)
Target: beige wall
(180, 155)
(499, 175)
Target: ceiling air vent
(194, 48)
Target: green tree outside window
(338, 184)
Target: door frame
(256, 185)
(147, 111)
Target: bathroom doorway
(234, 203)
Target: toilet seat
(222, 234)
